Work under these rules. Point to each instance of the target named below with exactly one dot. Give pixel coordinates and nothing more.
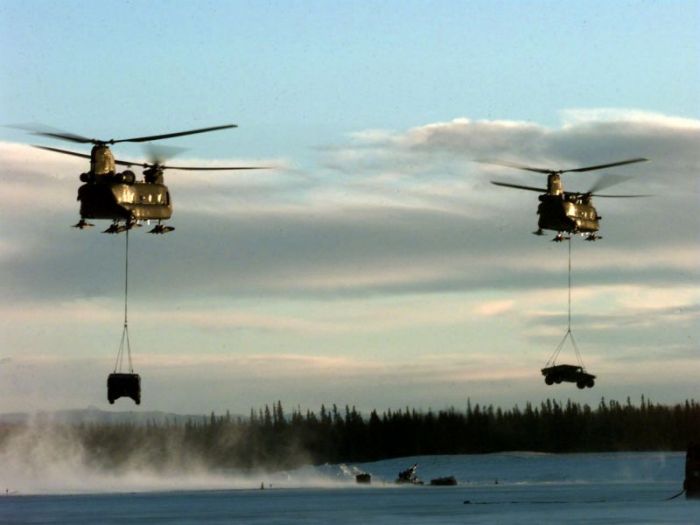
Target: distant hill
(95, 415)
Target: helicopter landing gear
(593, 237)
(560, 237)
(82, 224)
(161, 229)
(539, 232)
(116, 227)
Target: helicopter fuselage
(124, 200)
(567, 212)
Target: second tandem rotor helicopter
(120, 197)
(567, 212)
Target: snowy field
(495, 488)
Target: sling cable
(124, 383)
(554, 373)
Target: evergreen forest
(271, 438)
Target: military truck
(570, 374)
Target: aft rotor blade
(607, 181)
(519, 187)
(160, 154)
(516, 166)
(171, 135)
(601, 166)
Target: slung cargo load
(568, 373)
(555, 373)
(124, 385)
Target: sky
(373, 264)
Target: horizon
(288, 411)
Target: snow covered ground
(494, 488)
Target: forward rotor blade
(151, 165)
(601, 166)
(548, 171)
(43, 130)
(516, 166)
(171, 135)
(596, 195)
(46, 131)
(71, 137)
(519, 187)
(201, 168)
(65, 151)
(84, 156)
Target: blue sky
(375, 266)
(295, 74)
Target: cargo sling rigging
(125, 345)
(569, 334)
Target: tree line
(271, 438)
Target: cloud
(199, 383)
(586, 137)
(494, 308)
(394, 243)
(325, 255)
(577, 117)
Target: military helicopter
(568, 212)
(120, 197)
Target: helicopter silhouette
(119, 196)
(567, 212)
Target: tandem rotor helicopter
(120, 197)
(567, 212)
